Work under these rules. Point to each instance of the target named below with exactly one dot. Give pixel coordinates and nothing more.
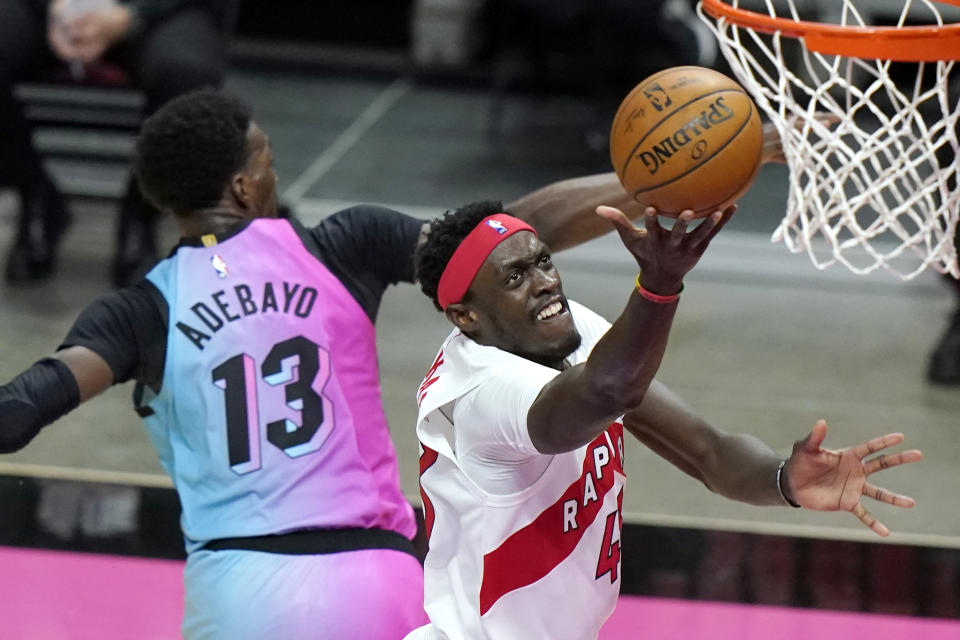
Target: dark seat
(85, 127)
(84, 132)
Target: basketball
(686, 138)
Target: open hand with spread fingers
(828, 480)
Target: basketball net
(880, 187)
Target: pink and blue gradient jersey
(262, 394)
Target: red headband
(466, 260)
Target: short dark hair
(190, 148)
(446, 234)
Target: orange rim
(904, 44)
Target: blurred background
(423, 105)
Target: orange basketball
(686, 138)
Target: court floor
(102, 596)
(763, 342)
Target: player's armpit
(569, 412)
(34, 399)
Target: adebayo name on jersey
(235, 303)
(656, 156)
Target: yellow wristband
(653, 297)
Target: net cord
(870, 192)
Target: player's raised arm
(563, 213)
(579, 403)
(741, 467)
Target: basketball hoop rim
(932, 43)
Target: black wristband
(34, 399)
(19, 425)
(780, 486)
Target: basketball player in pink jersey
(522, 419)
(253, 349)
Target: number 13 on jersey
(295, 372)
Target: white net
(877, 188)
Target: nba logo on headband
(497, 226)
(470, 254)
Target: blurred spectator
(940, 585)
(723, 573)
(893, 584)
(88, 514)
(635, 39)
(773, 569)
(669, 564)
(944, 365)
(835, 574)
(605, 46)
(167, 47)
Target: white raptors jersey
(522, 545)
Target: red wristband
(653, 297)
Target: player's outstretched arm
(574, 407)
(563, 212)
(836, 480)
(741, 467)
(736, 466)
(47, 391)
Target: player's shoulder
(146, 304)
(367, 224)
(367, 214)
(459, 366)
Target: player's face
(263, 179)
(518, 298)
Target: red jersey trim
(429, 378)
(532, 552)
(427, 458)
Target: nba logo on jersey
(497, 226)
(220, 266)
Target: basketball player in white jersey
(253, 346)
(522, 419)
